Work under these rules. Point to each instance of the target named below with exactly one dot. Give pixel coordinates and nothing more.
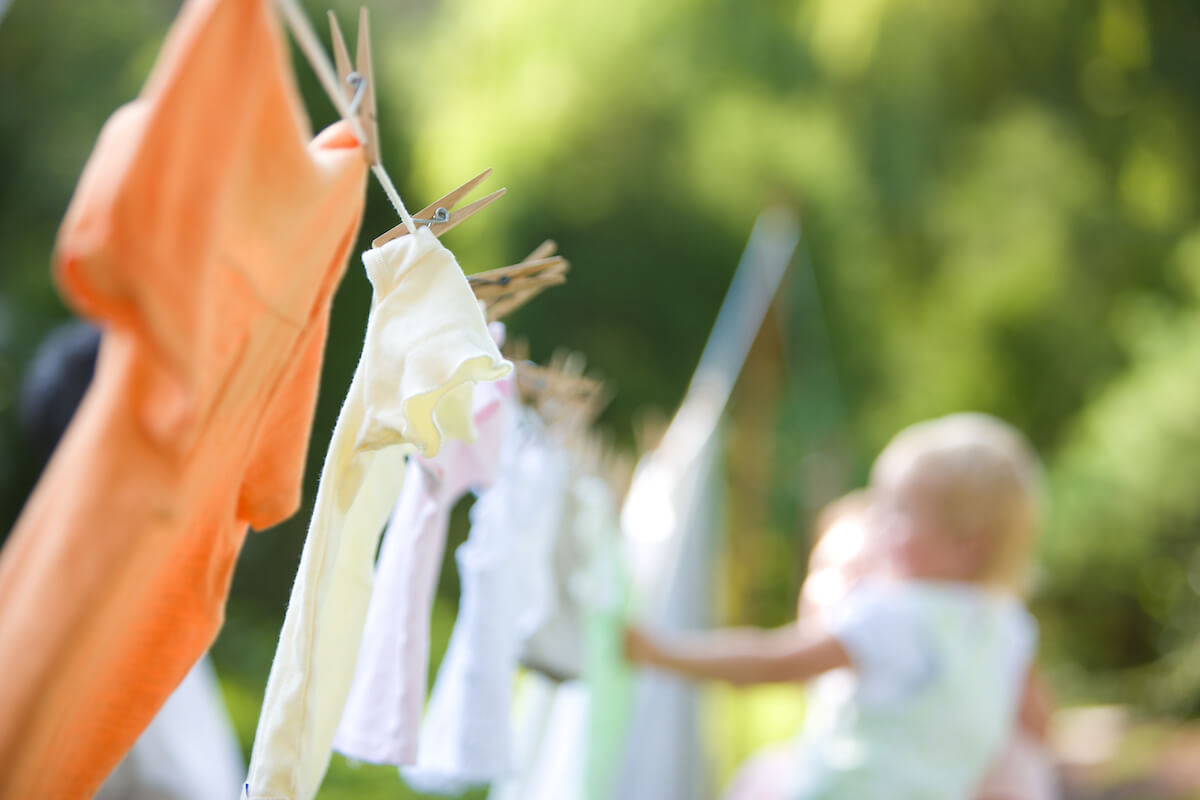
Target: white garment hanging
(558, 773)
(532, 707)
(466, 738)
(551, 628)
(571, 734)
(189, 751)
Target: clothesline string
(393, 196)
(314, 52)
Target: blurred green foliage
(999, 201)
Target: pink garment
(382, 717)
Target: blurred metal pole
(768, 253)
(670, 523)
(646, 516)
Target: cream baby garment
(426, 343)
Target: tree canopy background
(999, 205)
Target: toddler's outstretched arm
(741, 656)
(1037, 706)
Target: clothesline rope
(393, 196)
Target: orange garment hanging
(207, 235)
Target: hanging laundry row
(541, 583)
(542, 586)
(207, 236)
(411, 391)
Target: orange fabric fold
(207, 235)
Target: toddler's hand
(639, 647)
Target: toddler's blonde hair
(985, 481)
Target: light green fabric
(605, 671)
(937, 672)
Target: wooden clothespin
(563, 395)
(358, 82)
(516, 349)
(440, 215)
(353, 94)
(506, 289)
(355, 101)
(586, 396)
